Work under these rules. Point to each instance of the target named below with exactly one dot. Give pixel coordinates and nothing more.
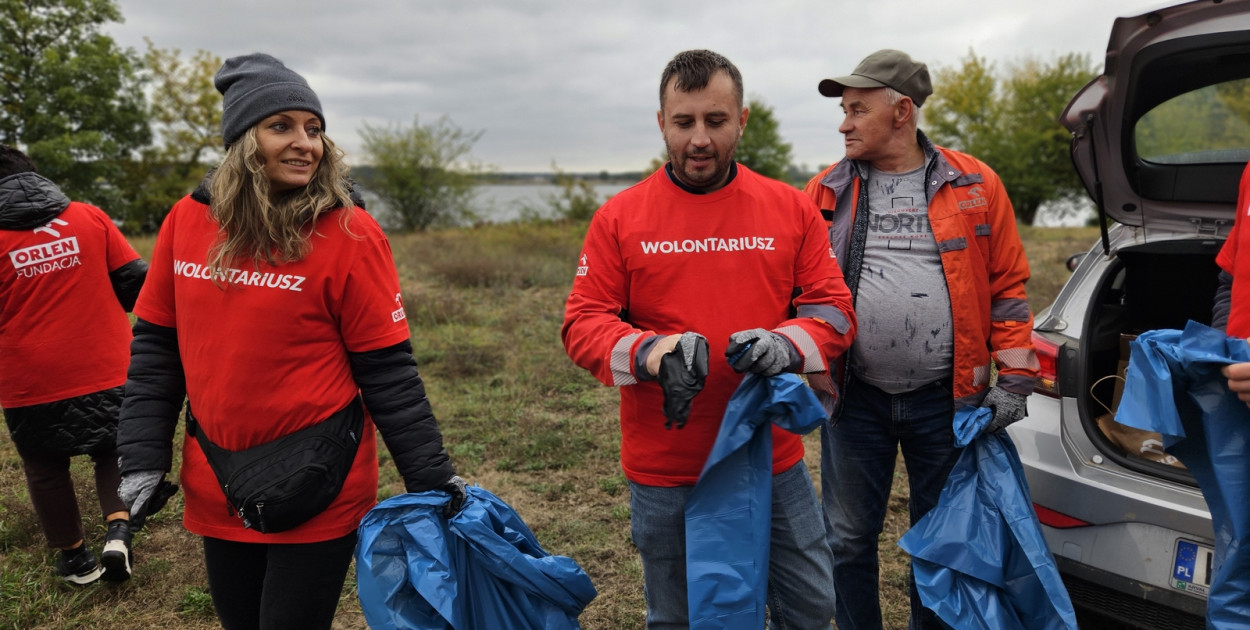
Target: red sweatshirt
(658, 260)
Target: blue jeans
(857, 456)
(800, 579)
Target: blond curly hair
(259, 227)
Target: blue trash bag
(979, 556)
(969, 422)
(1174, 387)
(729, 512)
(483, 569)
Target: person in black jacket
(274, 309)
(66, 283)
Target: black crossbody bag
(280, 484)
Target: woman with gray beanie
(273, 308)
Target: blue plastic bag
(1173, 386)
(979, 557)
(483, 569)
(729, 512)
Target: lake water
(501, 203)
(506, 202)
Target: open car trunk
(1147, 287)
(1159, 140)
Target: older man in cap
(927, 239)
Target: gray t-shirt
(902, 304)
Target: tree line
(134, 132)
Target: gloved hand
(1008, 407)
(144, 492)
(763, 352)
(682, 372)
(457, 488)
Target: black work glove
(1009, 407)
(682, 374)
(457, 488)
(760, 351)
(144, 492)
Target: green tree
(69, 96)
(424, 174)
(1012, 123)
(1235, 96)
(186, 118)
(761, 148)
(655, 164)
(1210, 120)
(965, 111)
(574, 200)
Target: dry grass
(518, 417)
(1047, 250)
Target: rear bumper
(1129, 601)
(1120, 564)
(1067, 472)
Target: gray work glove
(763, 352)
(1008, 407)
(682, 373)
(458, 489)
(144, 492)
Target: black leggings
(258, 586)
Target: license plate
(1191, 567)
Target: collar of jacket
(938, 171)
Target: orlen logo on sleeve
(44, 252)
(398, 314)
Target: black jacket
(82, 425)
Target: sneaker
(116, 557)
(78, 566)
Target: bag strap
(1095, 396)
(351, 415)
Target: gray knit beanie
(256, 86)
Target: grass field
(485, 306)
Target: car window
(1206, 126)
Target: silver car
(1160, 140)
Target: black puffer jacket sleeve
(127, 280)
(155, 389)
(395, 396)
(1223, 305)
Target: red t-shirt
(265, 351)
(669, 261)
(62, 331)
(1239, 310)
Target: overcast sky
(577, 81)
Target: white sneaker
(116, 557)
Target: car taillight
(1047, 383)
(1057, 520)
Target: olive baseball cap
(885, 68)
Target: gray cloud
(577, 82)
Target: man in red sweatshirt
(707, 258)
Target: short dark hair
(694, 69)
(13, 162)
